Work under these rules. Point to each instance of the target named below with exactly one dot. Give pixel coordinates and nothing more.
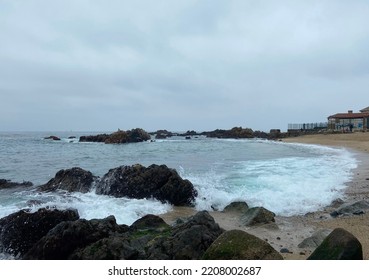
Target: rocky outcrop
(7, 184)
(148, 238)
(21, 230)
(357, 208)
(155, 181)
(236, 132)
(239, 245)
(72, 180)
(119, 137)
(257, 215)
(338, 245)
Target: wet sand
(288, 232)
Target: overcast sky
(179, 65)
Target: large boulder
(187, 241)
(239, 245)
(64, 239)
(257, 215)
(7, 184)
(155, 181)
(21, 230)
(73, 180)
(338, 245)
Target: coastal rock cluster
(60, 235)
(119, 137)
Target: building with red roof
(350, 120)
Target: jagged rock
(315, 240)
(6, 184)
(357, 208)
(119, 137)
(21, 230)
(237, 206)
(338, 245)
(155, 181)
(128, 246)
(257, 215)
(239, 245)
(73, 180)
(64, 239)
(188, 241)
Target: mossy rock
(338, 245)
(240, 245)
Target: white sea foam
(89, 205)
(287, 186)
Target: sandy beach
(288, 232)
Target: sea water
(288, 179)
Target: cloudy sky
(196, 64)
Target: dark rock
(149, 222)
(357, 208)
(187, 241)
(338, 245)
(52, 137)
(237, 206)
(163, 134)
(285, 251)
(315, 240)
(21, 230)
(72, 137)
(94, 138)
(239, 245)
(257, 215)
(67, 237)
(73, 180)
(155, 181)
(6, 184)
(119, 137)
(111, 248)
(236, 132)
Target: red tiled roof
(349, 116)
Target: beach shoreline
(288, 232)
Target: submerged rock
(338, 245)
(155, 181)
(21, 230)
(53, 137)
(7, 184)
(240, 245)
(73, 180)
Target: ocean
(288, 179)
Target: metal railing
(307, 126)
